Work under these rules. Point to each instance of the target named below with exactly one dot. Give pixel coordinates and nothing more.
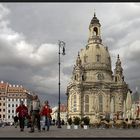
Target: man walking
(46, 115)
(22, 111)
(34, 112)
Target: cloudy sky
(29, 34)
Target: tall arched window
(100, 103)
(75, 77)
(86, 103)
(83, 78)
(74, 103)
(114, 103)
(115, 78)
(95, 31)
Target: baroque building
(94, 88)
(10, 97)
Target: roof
(94, 20)
(63, 108)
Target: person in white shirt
(35, 113)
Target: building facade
(95, 90)
(10, 97)
(3, 95)
(63, 113)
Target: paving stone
(11, 131)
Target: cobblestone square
(11, 131)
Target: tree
(69, 121)
(86, 120)
(76, 121)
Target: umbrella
(133, 111)
(128, 101)
(128, 104)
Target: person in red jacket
(46, 115)
(22, 111)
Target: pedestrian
(28, 121)
(63, 122)
(46, 115)
(22, 111)
(34, 113)
(53, 121)
(16, 121)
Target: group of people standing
(34, 114)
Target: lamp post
(61, 46)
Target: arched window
(114, 103)
(115, 78)
(74, 103)
(95, 31)
(100, 103)
(86, 103)
(83, 78)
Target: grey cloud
(42, 24)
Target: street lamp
(62, 46)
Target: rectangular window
(86, 108)
(100, 103)
(98, 57)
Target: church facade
(94, 90)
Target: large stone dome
(97, 56)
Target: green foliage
(76, 120)
(86, 120)
(69, 121)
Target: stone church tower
(94, 89)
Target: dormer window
(97, 46)
(98, 58)
(100, 76)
